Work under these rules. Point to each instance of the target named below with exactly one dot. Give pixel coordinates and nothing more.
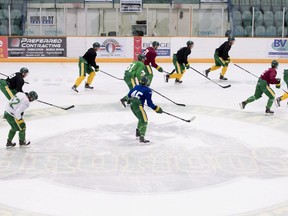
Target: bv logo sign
(280, 45)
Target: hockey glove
(187, 66)
(158, 110)
(96, 68)
(278, 85)
(160, 69)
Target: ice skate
(87, 86)
(74, 88)
(10, 144)
(277, 101)
(222, 78)
(178, 81)
(143, 140)
(242, 105)
(166, 78)
(123, 102)
(268, 111)
(24, 143)
(207, 72)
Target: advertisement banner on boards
(164, 49)
(112, 47)
(37, 47)
(278, 48)
(3, 47)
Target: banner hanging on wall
(37, 47)
(3, 47)
(130, 5)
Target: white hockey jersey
(17, 105)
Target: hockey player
(14, 112)
(151, 54)
(137, 96)
(180, 61)
(133, 74)
(13, 83)
(222, 58)
(263, 86)
(285, 95)
(85, 65)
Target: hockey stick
(245, 70)
(186, 120)
(64, 108)
(111, 75)
(227, 86)
(8, 76)
(169, 72)
(179, 104)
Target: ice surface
(87, 161)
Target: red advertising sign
(137, 46)
(3, 47)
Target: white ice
(87, 161)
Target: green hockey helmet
(231, 38)
(274, 64)
(155, 43)
(24, 70)
(141, 57)
(190, 43)
(96, 45)
(32, 95)
(144, 81)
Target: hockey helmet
(155, 43)
(24, 70)
(190, 43)
(144, 81)
(231, 38)
(96, 45)
(274, 64)
(141, 57)
(32, 95)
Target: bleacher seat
(258, 18)
(246, 18)
(15, 13)
(236, 15)
(3, 30)
(248, 31)
(244, 5)
(255, 4)
(235, 4)
(238, 31)
(278, 18)
(260, 31)
(4, 13)
(268, 18)
(265, 5)
(271, 31)
(286, 17)
(276, 5)
(15, 30)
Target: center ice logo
(280, 45)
